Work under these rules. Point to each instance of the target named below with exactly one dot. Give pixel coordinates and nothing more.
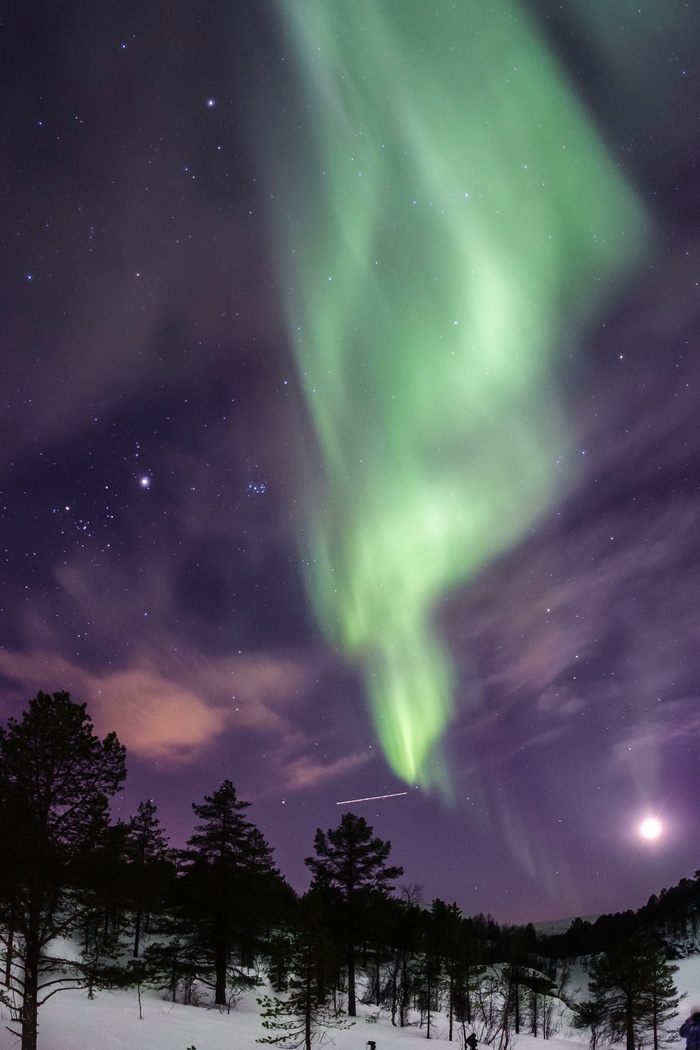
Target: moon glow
(650, 828)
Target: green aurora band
(454, 216)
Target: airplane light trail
(372, 798)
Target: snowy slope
(111, 1022)
(70, 1021)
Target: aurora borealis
(395, 306)
(455, 215)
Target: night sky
(350, 437)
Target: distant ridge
(548, 927)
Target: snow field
(71, 1021)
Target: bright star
(145, 481)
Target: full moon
(650, 829)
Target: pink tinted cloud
(155, 717)
(174, 717)
(167, 700)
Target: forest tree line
(210, 921)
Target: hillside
(70, 1021)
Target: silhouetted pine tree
(230, 884)
(350, 868)
(307, 1011)
(103, 895)
(55, 780)
(632, 989)
(151, 870)
(468, 972)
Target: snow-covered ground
(70, 1021)
(688, 982)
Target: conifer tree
(590, 1014)
(662, 996)
(633, 991)
(304, 1015)
(406, 934)
(469, 970)
(103, 896)
(150, 869)
(350, 867)
(229, 879)
(56, 777)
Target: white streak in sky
(372, 798)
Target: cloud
(305, 771)
(152, 715)
(173, 717)
(609, 602)
(156, 718)
(123, 642)
(670, 723)
(159, 668)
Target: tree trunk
(352, 1008)
(469, 998)
(451, 999)
(394, 988)
(427, 992)
(405, 989)
(137, 931)
(30, 997)
(10, 946)
(516, 989)
(629, 1028)
(220, 961)
(655, 1020)
(308, 1011)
